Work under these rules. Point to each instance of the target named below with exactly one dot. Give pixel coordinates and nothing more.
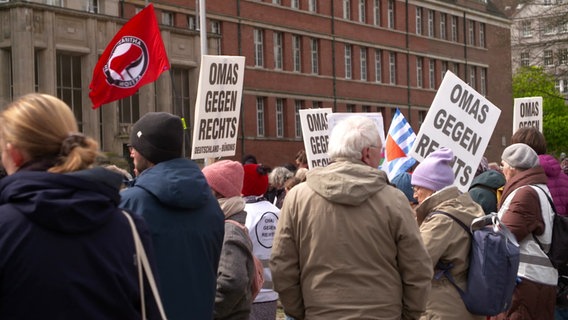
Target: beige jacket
(448, 242)
(347, 246)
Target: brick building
(348, 55)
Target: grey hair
(351, 135)
(278, 177)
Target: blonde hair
(45, 128)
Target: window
(180, 99)
(278, 50)
(562, 56)
(279, 117)
(391, 9)
(316, 104)
(421, 117)
(392, 68)
(563, 27)
(258, 48)
(167, 18)
(483, 81)
(471, 33)
(558, 85)
(444, 69)
(313, 5)
(526, 29)
(482, 35)
(297, 53)
(192, 22)
(377, 13)
(347, 9)
(315, 56)
(215, 27)
(348, 61)
(350, 108)
(277, 1)
(260, 117)
(472, 80)
(419, 75)
(295, 4)
(548, 59)
(93, 6)
(432, 74)
(366, 109)
(454, 29)
(69, 86)
(298, 105)
(362, 11)
(549, 27)
(547, 2)
(128, 113)
(418, 20)
(378, 66)
(431, 32)
(525, 62)
(456, 69)
(443, 26)
(363, 62)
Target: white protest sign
(377, 117)
(460, 119)
(527, 112)
(218, 106)
(314, 132)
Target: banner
(527, 112)
(218, 106)
(135, 56)
(399, 141)
(460, 119)
(315, 134)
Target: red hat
(256, 180)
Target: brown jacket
(448, 242)
(347, 246)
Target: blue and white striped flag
(399, 141)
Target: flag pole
(203, 37)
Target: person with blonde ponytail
(66, 249)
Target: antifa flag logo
(127, 63)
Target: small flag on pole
(135, 56)
(399, 141)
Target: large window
(278, 50)
(418, 20)
(297, 53)
(548, 59)
(69, 86)
(431, 32)
(315, 56)
(525, 59)
(279, 117)
(419, 70)
(443, 26)
(391, 9)
(526, 29)
(378, 65)
(443, 69)
(181, 101)
(363, 63)
(167, 18)
(454, 29)
(362, 11)
(128, 113)
(258, 48)
(348, 65)
(482, 35)
(260, 130)
(295, 4)
(472, 77)
(298, 105)
(377, 13)
(483, 81)
(471, 33)
(313, 5)
(347, 9)
(392, 68)
(562, 56)
(432, 74)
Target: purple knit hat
(435, 172)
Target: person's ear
(15, 156)
(365, 155)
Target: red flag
(135, 56)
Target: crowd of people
(335, 242)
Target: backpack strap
(545, 249)
(461, 224)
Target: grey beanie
(520, 156)
(158, 136)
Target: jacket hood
(176, 183)
(346, 182)
(491, 178)
(75, 202)
(550, 165)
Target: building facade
(347, 55)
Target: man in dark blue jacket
(183, 216)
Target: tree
(534, 82)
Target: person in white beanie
(439, 203)
(525, 211)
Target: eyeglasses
(416, 188)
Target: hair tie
(73, 140)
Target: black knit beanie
(158, 136)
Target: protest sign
(218, 106)
(527, 112)
(315, 134)
(460, 119)
(377, 117)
